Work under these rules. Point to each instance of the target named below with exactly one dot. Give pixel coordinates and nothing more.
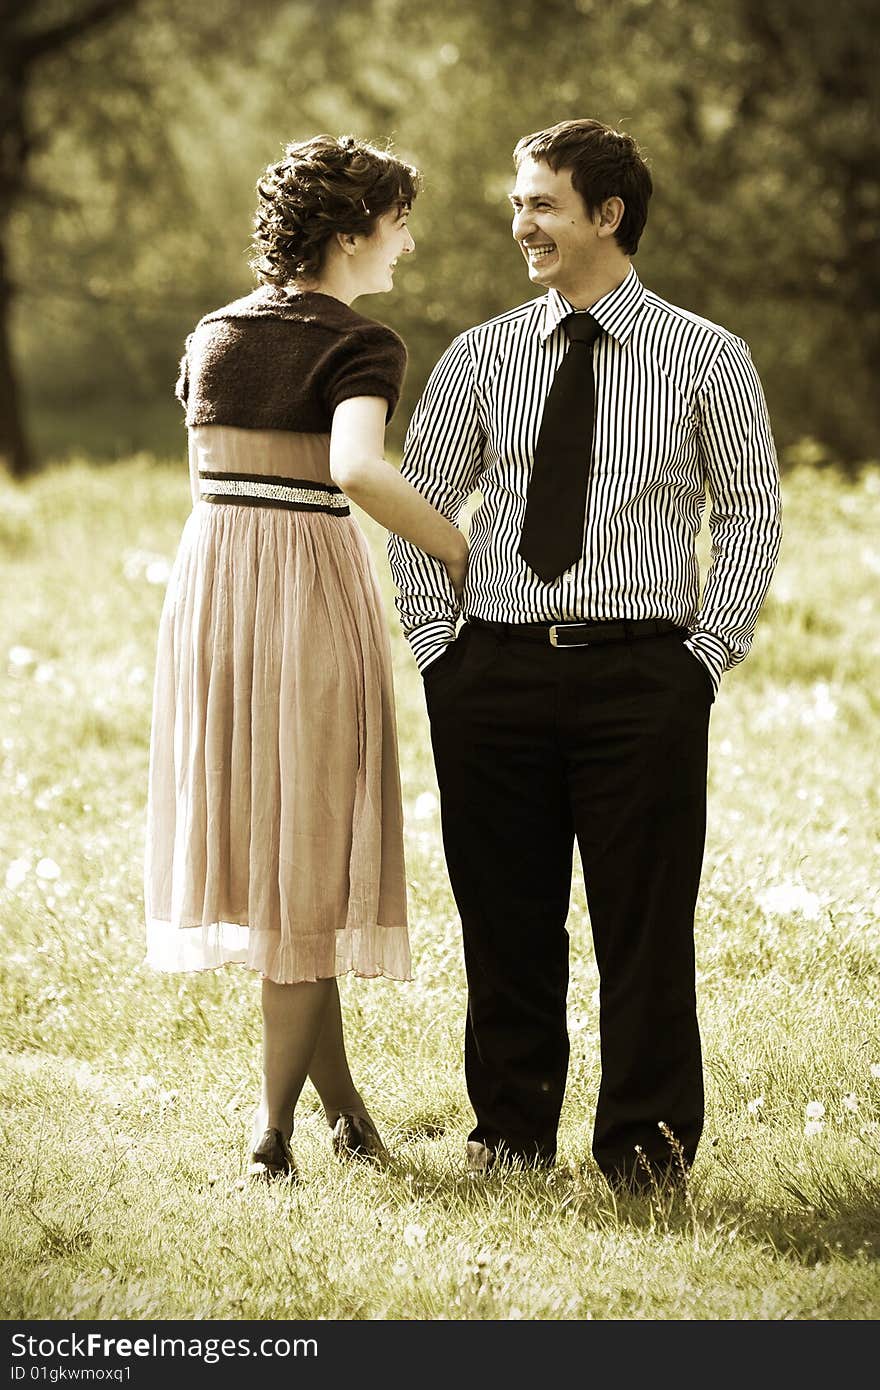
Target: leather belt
(582, 634)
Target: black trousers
(535, 747)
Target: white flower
(399, 1269)
(813, 1127)
(875, 1070)
(754, 1106)
(823, 709)
(850, 1102)
(426, 805)
(783, 899)
(157, 572)
(154, 568)
(21, 657)
(17, 873)
(47, 869)
(414, 1235)
(815, 1110)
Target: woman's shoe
(355, 1136)
(272, 1157)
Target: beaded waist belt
(264, 490)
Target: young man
(574, 703)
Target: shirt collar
(615, 313)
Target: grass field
(126, 1095)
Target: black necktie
(553, 530)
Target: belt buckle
(554, 635)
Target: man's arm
(745, 517)
(441, 458)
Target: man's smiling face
(554, 231)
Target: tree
(25, 43)
(759, 119)
(107, 192)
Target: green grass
(126, 1095)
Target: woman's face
(378, 253)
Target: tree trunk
(15, 451)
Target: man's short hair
(604, 163)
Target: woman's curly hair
(323, 186)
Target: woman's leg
(293, 1019)
(328, 1067)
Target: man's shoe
(480, 1158)
(272, 1158)
(355, 1136)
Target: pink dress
(274, 818)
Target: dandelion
(875, 1070)
(823, 709)
(157, 572)
(850, 1102)
(20, 657)
(16, 873)
(399, 1269)
(414, 1235)
(426, 805)
(755, 1106)
(155, 569)
(787, 898)
(814, 1121)
(47, 869)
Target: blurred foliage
(758, 118)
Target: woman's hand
(456, 566)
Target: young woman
(274, 825)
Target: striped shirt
(679, 410)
